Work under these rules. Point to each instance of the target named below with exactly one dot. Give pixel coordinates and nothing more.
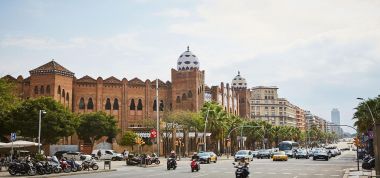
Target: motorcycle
(73, 165)
(155, 159)
(241, 171)
(194, 165)
(133, 160)
(171, 163)
(65, 166)
(22, 168)
(368, 162)
(39, 168)
(87, 164)
(55, 164)
(48, 167)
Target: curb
(64, 174)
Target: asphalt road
(293, 168)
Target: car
(107, 154)
(302, 154)
(207, 157)
(321, 154)
(59, 154)
(247, 154)
(254, 153)
(289, 153)
(280, 156)
(72, 155)
(264, 154)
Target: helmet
(172, 152)
(195, 153)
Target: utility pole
(158, 120)
(39, 130)
(204, 131)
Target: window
(63, 93)
(36, 90)
(108, 104)
(189, 94)
(115, 104)
(178, 100)
(67, 97)
(42, 90)
(90, 104)
(48, 89)
(266, 97)
(184, 96)
(59, 89)
(81, 103)
(154, 105)
(272, 107)
(170, 106)
(266, 107)
(132, 105)
(161, 105)
(139, 105)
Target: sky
(321, 54)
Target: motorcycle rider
(245, 164)
(173, 155)
(195, 157)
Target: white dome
(239, 82)
(187, 61)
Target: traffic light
(357, 142)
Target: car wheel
(208, 161)
(314, 158)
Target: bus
(288, 145)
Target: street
(335, 167)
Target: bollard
(107, 162)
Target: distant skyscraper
(335, 116)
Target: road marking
(201, 175)
(228, 172)
(318, 174)
(272, 173)
(286, 173)
(334, 175)
(302, 174)
(295, 177)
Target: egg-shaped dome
(187, 61)
(239, 82)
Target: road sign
(153, 133)
(13, 136)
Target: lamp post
(357, 134)
(39, 130)
(375, 137)
(241, 133)
(204, 131)
(158, 121)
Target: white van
(107, 154)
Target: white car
(107, 154)
(72, 155)
(247, 154)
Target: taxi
(280, 156)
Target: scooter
(155, 159)
(194, 165)
(171, 163)
(65, 166)
(55, 164)
(22, 168)
(241, 171)
(87, 164)
(133, 160)
(368, 162)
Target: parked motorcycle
(194, 165)
(241, 171)
(72, 164)
(155, 159)
(65, 166)
(133, 160)
(368, 162)
(55, 164)
(22, 168)
(48, 167)
(39, 168)
(87, 164)
(171, 163)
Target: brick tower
(239, 85)
(187, 83)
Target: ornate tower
(239, 84)
(187, 83)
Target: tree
(363, 116)
(128, 139)
(93, 126)
(217, 118)
(8, 101)
(58, 121)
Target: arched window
(36, 90)
(67, 96)
(178, 100)
(108, 104)
(42, 90)
(139, 105)
(81, 103)
(115, 104)
(63, 93)
(161, 105)
(189, 94)
(132, 106)
(184, 96)
(170, 106)
(154, 105)
(90, 104)
(48, 89)
(59, 89)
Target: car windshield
(242, 152)
(203, 154)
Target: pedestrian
(125, 154)
(99, 154)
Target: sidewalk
(354, 173)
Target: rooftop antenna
(188, 48)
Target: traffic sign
(13, 136)
(153, 133)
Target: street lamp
(370, 111)
(39, 130)
(204, 131)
